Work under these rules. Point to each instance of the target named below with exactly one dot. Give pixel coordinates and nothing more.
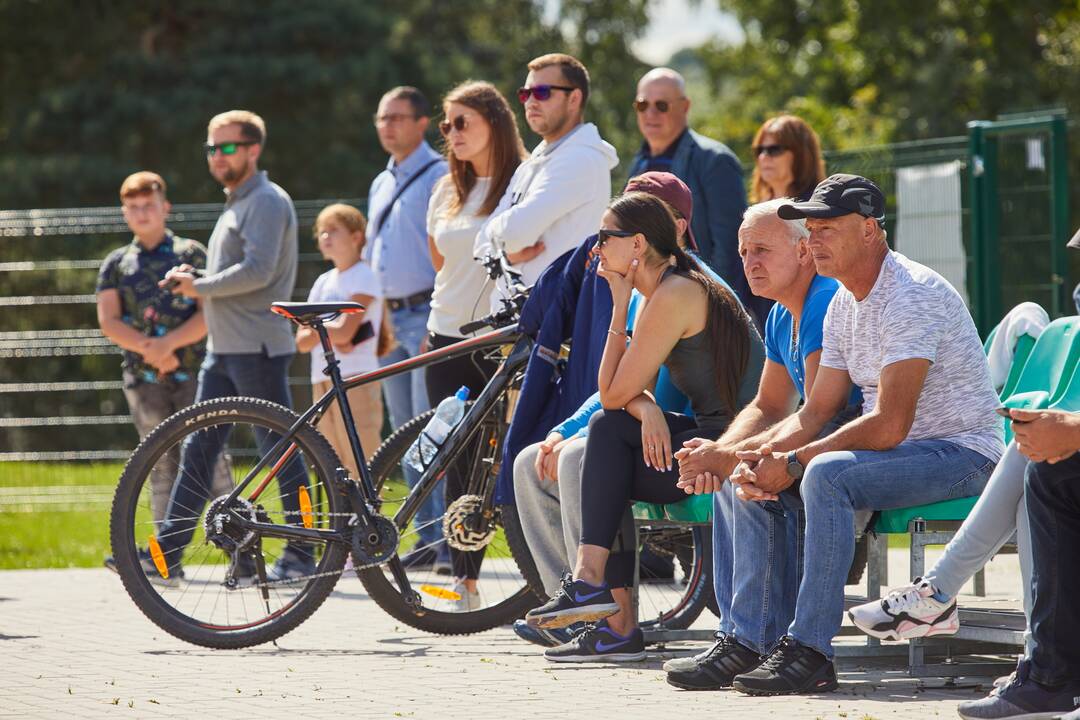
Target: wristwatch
(795, 468)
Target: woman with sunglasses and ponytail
(483, 149)
(787, 160)
(697, 329)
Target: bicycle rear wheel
(212, 596)
(675, 600)
(505, 595)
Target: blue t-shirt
(779, 345)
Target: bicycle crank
(375, 544)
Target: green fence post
(1059, 214)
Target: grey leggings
(999, 513)
(550, 512)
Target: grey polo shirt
(251, 263)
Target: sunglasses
(228, 148)
(770, 150)
(460, 123)
(643, 105)
(541, 92)
(604, 235)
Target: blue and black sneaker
(575, 601)
(542, 637)
(1022, 697)
(599, 643)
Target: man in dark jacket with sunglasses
(710, 170)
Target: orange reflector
(440, 592)
(305, 507)
(158, 557)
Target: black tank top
(692, 364)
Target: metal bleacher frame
(990, 638)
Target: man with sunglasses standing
(557, 196)
(397, 249)
(709, 168)
(252, 263)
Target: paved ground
(73, 645)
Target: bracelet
(616, 332)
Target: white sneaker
(468, 602)
(907, 612)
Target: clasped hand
(761, 474)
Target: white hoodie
(558, 195)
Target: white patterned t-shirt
(912, 312)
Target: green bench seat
(896, 521)
(694, 509)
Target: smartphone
(1003, 412)
(366, 331)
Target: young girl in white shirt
(339, 232)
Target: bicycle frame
(368, 501)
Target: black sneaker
(149, 568)
(575, 601)
(717, 668)
(599, 643)
(241, 572)
(1022, 697)
(655, 568)
(427, 558)
(792, 669)
(858, 561)
(291, 565)
(542, 637)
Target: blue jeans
(722, 527)
(229, 375)
(1053, 508)
(836, 484)
(767, 567)
(406, 397)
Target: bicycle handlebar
(513, 291)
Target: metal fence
(60, 389)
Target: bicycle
(217, 593)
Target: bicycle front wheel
(446, 607)
(215, 586)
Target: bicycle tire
(173, 430)
(382, 590)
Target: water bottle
(448, 413)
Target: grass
(61, 536)
(34, 534)
(77, 534)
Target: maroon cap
(671, 190)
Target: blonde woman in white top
(483, 148)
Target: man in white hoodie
(556, 197)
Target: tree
(866, 73)
(84, 108)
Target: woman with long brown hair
(787, 160)
(697, 329)
(483, 148)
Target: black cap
(839, 195)
(1074, 243)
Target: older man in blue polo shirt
(398, 250)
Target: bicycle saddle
(305, 313)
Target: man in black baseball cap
(839, 195)
(928, 432)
